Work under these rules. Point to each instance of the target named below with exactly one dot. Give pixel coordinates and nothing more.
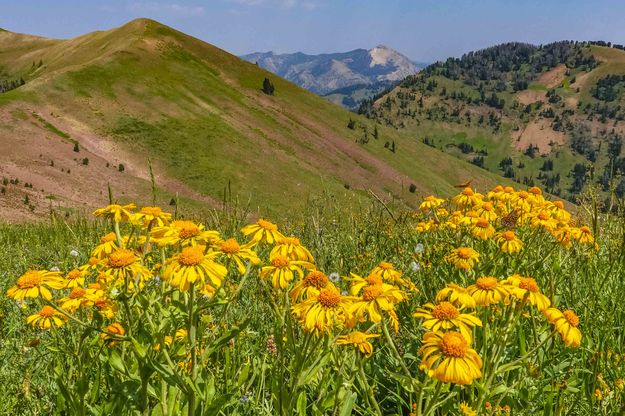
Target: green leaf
(522, 341)
(307, 375)
(348, 405)
(243, 374)
(301, 404)
(139, 349)
(405, 381)
(116, 362)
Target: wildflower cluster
(164, 305)
(497, 217)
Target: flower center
(584, 229)
(464, 253)
(528, 284)
(559, 204)
(316, 279)
(47, 311)
(230, 246)
(487, 206)
(467, 192)
(280, 262)
(29, 279)
(453, 345)
(77, 293)
(535, 190)
(121, 258)
(73, 275)
(370, 293)
(508, 189)
(116, 329)
(544, 216)
(523, 195)
(385, 265)
(187, 229)
(191, 256)
(571, 317)
(358, 338)
(481, 223)
(374, 279)
(486, 283)
(445, 311)
(508, 236)
(329, 298)
(108, 238)
(264, 224)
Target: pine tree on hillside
(268, 87)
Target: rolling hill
(551, 115)
(95, 108)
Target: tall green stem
(191, 328)
(370, 392)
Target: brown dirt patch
(538, 132)
(581, 79)
(60, 179)
(529, 97)
(553, 77)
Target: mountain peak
(143, 26)
(142, 22)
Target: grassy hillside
(145, 90)
(550, 115)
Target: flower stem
(191, 328)
(370, 392)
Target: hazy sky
(424, 30)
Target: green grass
(52, 128)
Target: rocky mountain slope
(325, 73)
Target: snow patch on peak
(381, 55)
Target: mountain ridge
(326, 72)
(146, 91)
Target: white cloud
(170, 8)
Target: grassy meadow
(493, 303)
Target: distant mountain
(325, 73)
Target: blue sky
(424, 30)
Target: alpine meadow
(189, 231)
